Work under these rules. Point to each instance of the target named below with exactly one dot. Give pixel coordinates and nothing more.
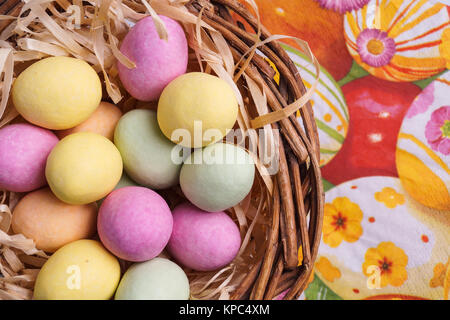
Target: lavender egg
(201, 240)
(24, 149)
(134, 223)
(157, 61)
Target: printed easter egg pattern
(330, 108)
(423, 147)
(399, 40)
(376, 108)
(309, 21)
(378, 243)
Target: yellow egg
(52, 223)
(197, 109)
(103, 121)
(57, 93)
(83, 167)
(81, 270)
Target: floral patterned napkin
(382, 107)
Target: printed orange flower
(390, 197)
(441, 277)
(390, 261)
(342, 221)
(439, 272)
(327, 269)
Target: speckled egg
(83, 167)
(157, 61)
(57, 92)
(157, 279)
(201, 240)
(134, 223)
(81, 270)
(52, 223)
(217, 177)
(103, 121)
(197, 109)
(24, 149)
(146, 153)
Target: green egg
(125, 181)
(156, 279)
(145, 151)
(217, 177)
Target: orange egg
(52, 223)
(103, 121)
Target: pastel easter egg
(377, 108)
(157, 279)
(217, 177)
(103, 121)
(57, 92)
(398, 40)
(330, 107)
(423, 146)
(146, 152)
(52, 223)
(24, 149)
(378, 243)
(134, 223)
(197, 109)
(203, 241)
(157, 61)
(81, 270)
(83, 167)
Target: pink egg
(24, 149)
(157, 61)
(203, 240)
(134, 223)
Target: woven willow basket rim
(296, 205)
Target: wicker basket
(293, 209)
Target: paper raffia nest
(48, 28)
